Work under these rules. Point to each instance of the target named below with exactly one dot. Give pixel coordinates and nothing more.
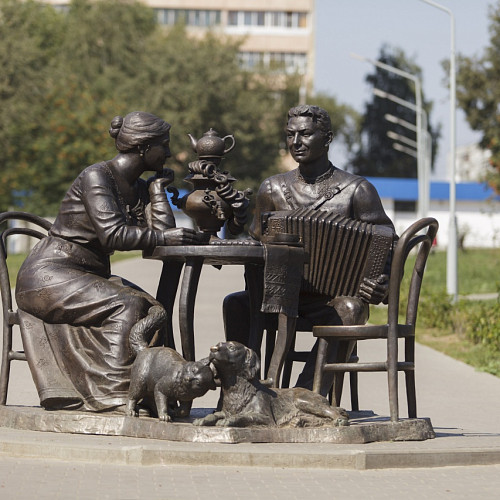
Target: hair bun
(116, 125)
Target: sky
(344, 27)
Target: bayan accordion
(340, 252)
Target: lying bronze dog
(247, 402)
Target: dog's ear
(205, 361)
(252, 364)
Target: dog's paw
(209, 420)
(202, 422)
(341, 422)
(165, 417)
(342, 418)
(131, 410)
(229, 422)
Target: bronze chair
(419, 236)
(269, 324)
(10, 315)
(294, 356)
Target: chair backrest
(10, 317)
(10, 231)
(419, 235)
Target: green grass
(478, 272)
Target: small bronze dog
(162, 374)
(247, 402)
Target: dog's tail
(142, 332)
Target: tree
(30, 34)
(377, 156)
(107, 58)
(478, 95)
(110, 58)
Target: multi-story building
(274, 33)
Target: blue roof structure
(407, 190)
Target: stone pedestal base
(365, 428)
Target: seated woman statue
(75, 316)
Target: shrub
(482, 322)
(435, 310)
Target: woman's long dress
(76, 316)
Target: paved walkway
(464, 406)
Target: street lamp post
(404, 149)
(425, 148)
(413, 152)
(452, 255)
(418, 106)
(400, 121)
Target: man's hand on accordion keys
(374, 291)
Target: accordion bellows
(340, 252)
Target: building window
(232, 18)
(268, 19)
(290, 62)
(191, 17)
(251, 60)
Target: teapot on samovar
(211, 147)
(213, 200)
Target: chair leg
(410, 394)
(287, 367)
(270, 341)
(345, 348)
(392, 381)
(353, 382)
(338, 384)
(287, 373)
(320, 364)
(411, 397)
(4, 381)
(4, 375)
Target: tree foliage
(376, 155)
(67, 74)
(29, 37)
(478, 94)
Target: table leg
(165, 295)
(284, 338)
(189, 288)
(255, 285)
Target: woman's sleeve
(107, 215)
(162, 217)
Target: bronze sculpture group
(102, 335)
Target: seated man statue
(315, 184)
